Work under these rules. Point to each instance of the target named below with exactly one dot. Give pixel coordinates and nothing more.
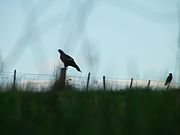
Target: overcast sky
(116, 38)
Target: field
(72, 112)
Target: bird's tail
(166, 83)
(78, 69)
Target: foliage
(94, 112)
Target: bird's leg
(65, 67)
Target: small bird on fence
(68, 60)
(169, 79)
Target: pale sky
(116, 38)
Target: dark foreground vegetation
(71, 112)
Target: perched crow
(68, 60)
(169, 79)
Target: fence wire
(45, 81)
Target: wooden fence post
(131, 83)
(104, 82)
(63, 77)
(149, 83)
(87, 86)
(14, 79)
(60, 81)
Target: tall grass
(72, 112)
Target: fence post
(14, 79)
(87, 86)
(149, 83)
(62, 77)
(104, 83)
(131, 83)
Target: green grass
(70, 112)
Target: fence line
(44, 80)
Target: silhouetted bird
(169, 79)
(68, 60)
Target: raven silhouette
(68, 60)
(169, 79)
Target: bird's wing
(73, 64)
(168, 80)
(69, 58)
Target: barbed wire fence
(39, 82)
